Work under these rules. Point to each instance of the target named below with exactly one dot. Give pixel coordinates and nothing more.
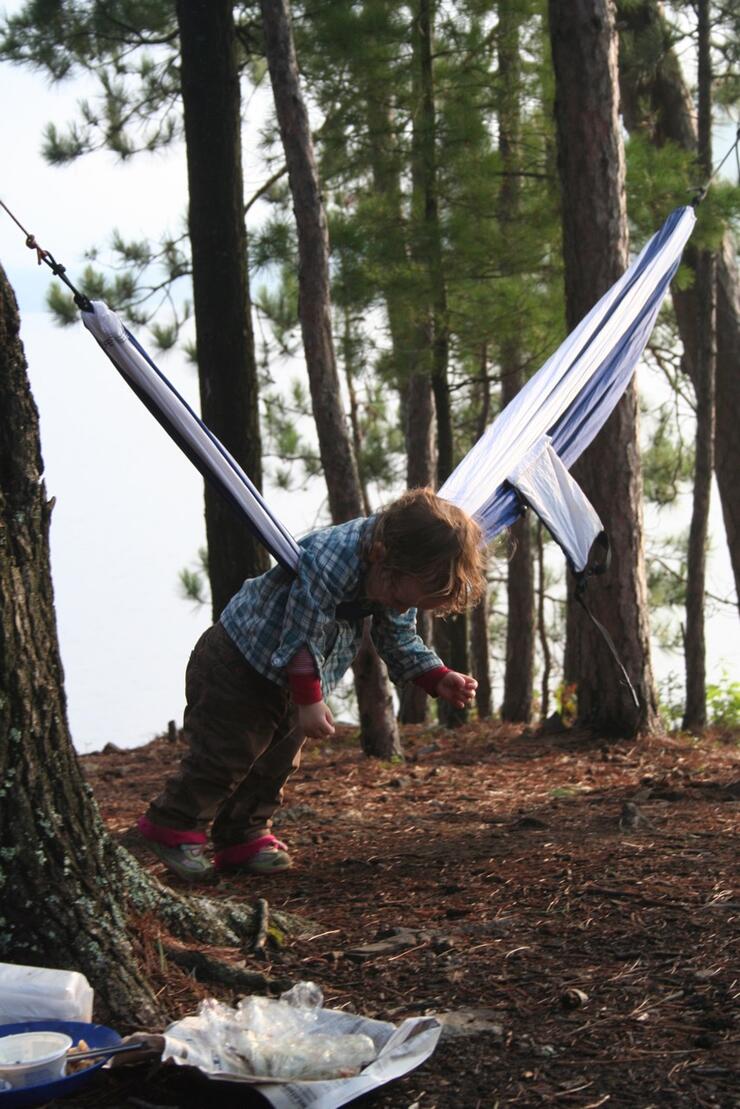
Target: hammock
(523, 457)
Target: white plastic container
(30, 1058)
(40, 993)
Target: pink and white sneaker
(258, 856)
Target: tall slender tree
(520, 626)
(227, 368)
(379, 733)
(591, 166)
(695, 713)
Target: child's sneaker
(187, 860)
(259, 856)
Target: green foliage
(667, 462)
(723, 703)
(194, 581)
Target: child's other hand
(316, 721)
(458, 689)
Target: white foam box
(42, 993)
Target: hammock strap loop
(581, 577)
(42, 255)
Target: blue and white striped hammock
(523, 457)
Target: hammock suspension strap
(48, 259)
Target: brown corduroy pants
(243, 744)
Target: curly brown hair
(435, 542)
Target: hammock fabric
(530, 446)
(523, 457)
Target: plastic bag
(269, 1038)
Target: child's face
(398, 592)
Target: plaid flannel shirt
(274, 615)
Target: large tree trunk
(655, 98)
(55, 851)
(520, 623)
(591, 166)
(226, 359)
(695, 714)
(379, 730)
(71, 895)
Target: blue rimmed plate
(94, 1035)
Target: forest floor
(574, 903)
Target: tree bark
(655, 99)
(450, 634)
(695, 714)
(591, 168)
(71, 895)
(520, 623)
(480, 658)
(226, 359)
(410, 343)
(54, 848)
(379, 730)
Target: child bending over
(257, 680)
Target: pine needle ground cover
(571, 905)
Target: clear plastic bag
(282, 1038)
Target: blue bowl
(94, 1035)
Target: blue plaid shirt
(273, 616)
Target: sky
(129, 509)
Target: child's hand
(316, 721)
(456, 688)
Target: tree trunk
(655, 98)
(695, 714)
(71, 895)
(421, 458)
(520, 624)
(379, 730)
(410, 344)
(226, 359)
(591, 167)
(450, 634)
(55, 850)
(480, 658)
(542, 626)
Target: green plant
(723, 703)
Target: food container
(43, 993)
(33, 1058)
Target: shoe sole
(250, 868)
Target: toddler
(257, 680)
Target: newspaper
(399, 1050)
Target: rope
(701, 193)
(48, 258)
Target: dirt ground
(574, 903)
